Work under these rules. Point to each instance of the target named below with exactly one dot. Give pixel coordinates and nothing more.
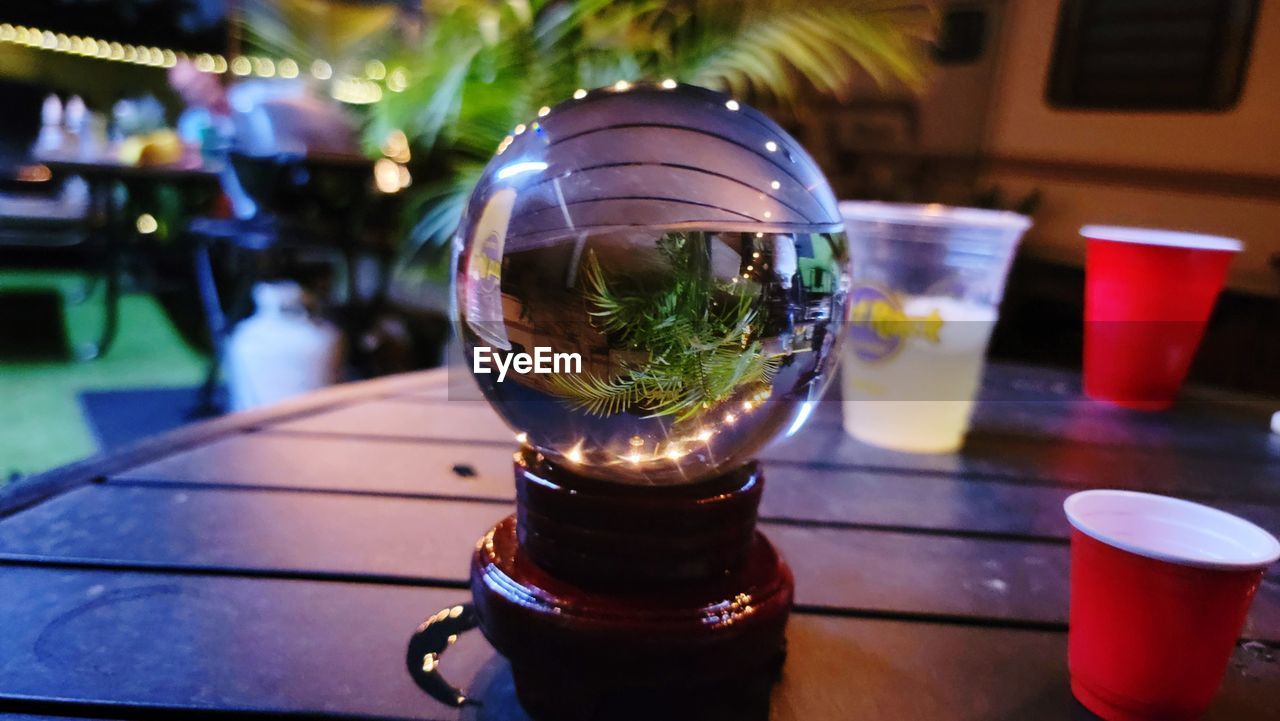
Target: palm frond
(826, 46)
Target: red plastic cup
(1148, 294)
(1159, 591)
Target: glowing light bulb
(543, 111)
(520, 129)
(705, 434)
(775, 185)
(771, 146)
(321, 70)
(386, 175)
(522, 437)
(621, 86)
(579, 94)
(730, 418)
(147, 224)
(669, 84)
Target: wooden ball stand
(616, 602)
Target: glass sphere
(661, 270)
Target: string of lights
(348, 88)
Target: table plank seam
(273, 429)
(820, 610)
(229, 487)
(178, 569)
(1012, 479)
(779, 520)
(40, 487)
(950, 619)
(119, 711)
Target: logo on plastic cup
(878, 327)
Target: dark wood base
(624, 631)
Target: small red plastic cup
(1159, 591)
(1148, 294)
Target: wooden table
(277, 561)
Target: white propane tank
(281, 350)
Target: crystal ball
(650, 279)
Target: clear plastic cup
(927, 284)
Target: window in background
(962, 36)
(1151, 54)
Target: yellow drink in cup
(927, 283)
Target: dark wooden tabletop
(276, 562)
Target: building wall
(1214, 172)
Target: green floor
(41, 425)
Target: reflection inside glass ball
(694, 348)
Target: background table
(112, 230)
(277, 561)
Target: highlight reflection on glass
(685, 248)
